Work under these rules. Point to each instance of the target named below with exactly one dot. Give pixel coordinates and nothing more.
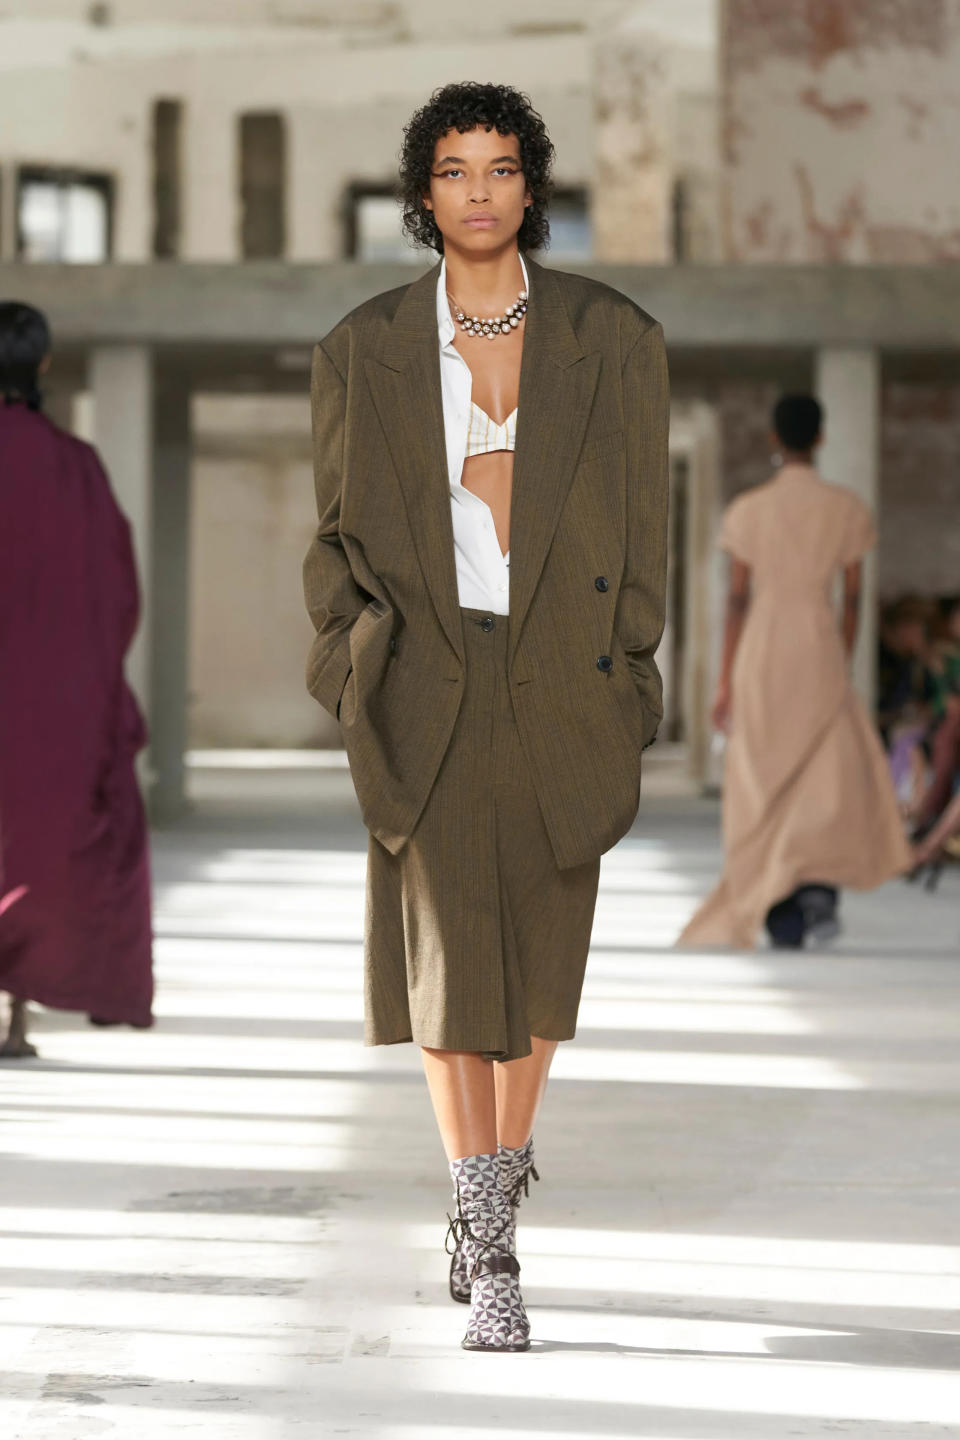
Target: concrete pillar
(314, 190)
(210, 182)
(633, 214)
(173, 449)
(848, 385)
(695, 440)
(121, 382)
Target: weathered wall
(253, 518)
(345, 110)
(839, 130)
(655, 122)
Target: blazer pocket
(365, 625)
(370, 655)
(596, 447)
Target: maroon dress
(75, 930)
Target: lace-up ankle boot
(484, 1232)
(516, 1171)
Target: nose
(480, 192)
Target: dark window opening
(167, 130)
(263, 177)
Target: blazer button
(602, 583)
(487, 623)
(605, 664)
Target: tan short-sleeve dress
(807, 793)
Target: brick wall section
(920, 490)
(919, 548)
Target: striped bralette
(484, 434)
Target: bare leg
(520, 1087)
(17, 1046)
(461, 1087)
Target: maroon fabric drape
(75, 929)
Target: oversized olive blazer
(587, 555)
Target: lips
(481, 222)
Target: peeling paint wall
(655, 119)
(632, 209)
(839, 125)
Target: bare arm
(738, 603)
(852, 584)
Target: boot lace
(459, 1230)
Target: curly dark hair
(464, 107)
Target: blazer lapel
(557, 384)
(405, 384)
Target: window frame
(356, 191)
(63, 175)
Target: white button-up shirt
(483, 571)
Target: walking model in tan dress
(807, 798)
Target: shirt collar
(445, 326)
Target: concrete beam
(273, 303)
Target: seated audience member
(943, 743)
(905, 694)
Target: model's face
(477, 190)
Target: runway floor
(231, 1226)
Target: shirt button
(605, 664)
(602, 583)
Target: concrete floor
(747, 1227)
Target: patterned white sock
(517, 1168)
(498, 1320)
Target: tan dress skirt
(807, 793)
(475, 940)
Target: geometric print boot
(484, 1231)
(516, 1170)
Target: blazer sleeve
(642, 602)
(333, 598)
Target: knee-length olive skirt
(475, 940)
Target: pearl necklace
(497, 324)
